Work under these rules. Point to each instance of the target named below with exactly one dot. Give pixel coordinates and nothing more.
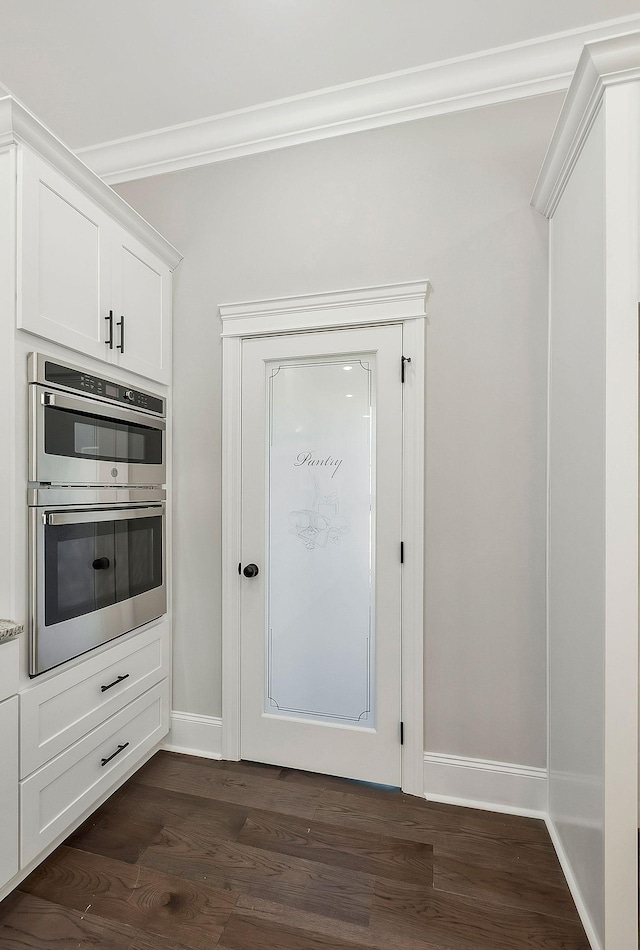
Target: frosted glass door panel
(319, 533)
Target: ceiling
(96, 71)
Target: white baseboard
(574, 887)
(195, 735)
(492, 786)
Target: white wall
(593, 523)
(447, 199)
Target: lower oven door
(96, 574)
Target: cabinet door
(8, 790)
(141, 286)
(63, 260)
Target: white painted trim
(18, 126)
(398, 303)
(413, 535)
(574, 887)
(195, 735)
(620, 661)
(602, 64)
(532, 68)
(231, 544)
(480, 783)
(347, 308)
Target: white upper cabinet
(141, 293)
(92, 275)
(63, 259)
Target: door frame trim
(393, 303)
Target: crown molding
(602, 64)
(18, 126)
(345, 308)
(522, 70)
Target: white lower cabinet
(83, 730)
(59, 792)
(8, 790)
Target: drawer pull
(115, 683)
(114, 754)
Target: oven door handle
(93, 407)
(109, 514)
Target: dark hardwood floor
(192, 854)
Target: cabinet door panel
(9, 790)
(62, 259)
(142, 288)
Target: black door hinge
(401, 733)
(402, 552)
(405, 360)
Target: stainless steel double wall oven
(97, 471)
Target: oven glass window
(81, 435)
(79, 569)
(94, 565)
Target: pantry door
(320, 573)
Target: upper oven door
(75, 440)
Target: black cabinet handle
(109, 320)
(114, 754)
(120, 323)
(251, 570)
(115, 682)
(100, 563)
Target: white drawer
(63, 708)
(54, 796)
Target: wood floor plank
(363, 937)
(250, 933)
(115, 836)
(468, 836)
(183, 910)
(527, 890)
(460, 923)
(369, 853)
(337, 784)
(166, 807)
(201, 777)
(257, 769)
(398, 810)
(190, 852)
(31, 923)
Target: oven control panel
(79, 381)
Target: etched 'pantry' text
(309, 458)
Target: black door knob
(251, 570)
(100, 564)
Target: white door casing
(400, 304)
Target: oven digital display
(77, 381)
